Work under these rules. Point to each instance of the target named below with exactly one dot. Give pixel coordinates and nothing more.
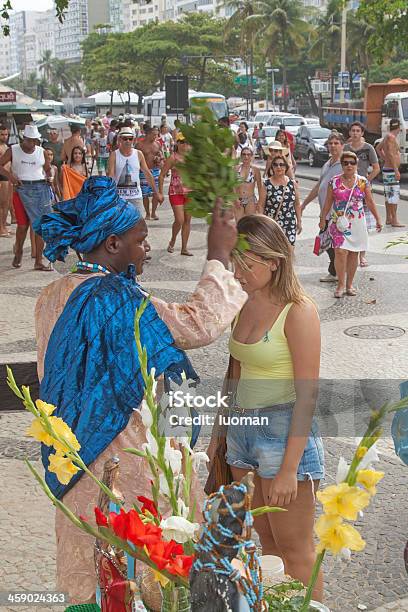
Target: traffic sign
(245, 80)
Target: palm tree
(281, 31)
(326, 39)
(61, 75)
(359, 30)
(46, 65)
(242, 10)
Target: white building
(5, 56)
(31, 34)
(80, 19)
(116, 15)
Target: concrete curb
(376, 188)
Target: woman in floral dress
(345, 197)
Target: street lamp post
(343, 52)
(272, 71)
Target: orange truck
(382, 102)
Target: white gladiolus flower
(185, 442)
(147, 418)
(369, 458)
(173, 457)
(164, 487)
(182, 508)
(178, 528)
(345, 554)
(151, 444)
(342, 470)
(197, 458)
(153, 375)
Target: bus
(155, 106)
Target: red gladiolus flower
(101, 519)
(180, 565)
(118, 523)
(158, 555)
(140, 533)
(148, 504)
(83, 518)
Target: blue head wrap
(87, 220)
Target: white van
(265, 116)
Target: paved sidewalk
(375, 577)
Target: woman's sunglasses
(349, 163)
(279, 165)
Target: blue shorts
(36, 199)
(261, 447)
(147, 191)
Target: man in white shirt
(28, 174)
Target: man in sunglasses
(124, 167)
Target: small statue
(219, 581)
(113, 567)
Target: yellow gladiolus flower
(368, 479)
(361, 451)
(37, 431)
(63, 430)
(334, 535)
(343, 500)
(45, 408)
(63, 468)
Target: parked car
(292, 123)
(311, 144)
(270, 133)
(312, 121)
(266, 117)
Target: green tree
(325, 39)
(243, 10)
(389, 19)
(46, 65)
(281, 32)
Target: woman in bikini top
(250, 178)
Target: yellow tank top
(266, 367)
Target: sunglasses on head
(278, 165)
(350, 162)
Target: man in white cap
(28, 174)
(124, 167)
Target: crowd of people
(274, 343)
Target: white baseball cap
(31, 131)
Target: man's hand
(160, 198)
(397, 175)
(222, 235)
(14, 180)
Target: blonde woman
(275, 358)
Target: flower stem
(312, 581)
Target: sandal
(44, 267)
(339, 293)
(155, 218)
(187, 253)
(351, 291)
(364, 263)
(170, 249)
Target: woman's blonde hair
(267, 240)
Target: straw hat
(126, 131)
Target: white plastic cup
(272, 566)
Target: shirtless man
(150, 147)
(389, 151)
(4, 186)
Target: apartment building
(5, 56)
(31, 34)
(80, 19)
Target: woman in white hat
(277, 148)
(28, 175)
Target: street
(373, 577)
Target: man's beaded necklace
(89, 267)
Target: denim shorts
(261, 447)
(36, 199)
